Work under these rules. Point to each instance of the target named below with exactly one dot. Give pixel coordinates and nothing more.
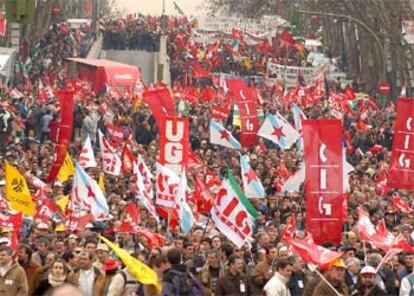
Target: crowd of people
(203, 262)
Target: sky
(190, 7)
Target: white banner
(289, 74)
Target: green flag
(179, 10)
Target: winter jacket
(14, 282)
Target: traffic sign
(384, 88)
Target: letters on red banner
(246, 98)
(324, 177)
(116, 133)
(174, 143)
(402, 159)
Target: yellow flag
(66, 170)
(101, 182)
(63, 203)
(139, 270)
(17, 192)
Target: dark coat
(376, 291)
(230, 285)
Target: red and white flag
(116, 133)
(402, 159)
(143, 188)
(86, 157)
(131, 218)
(166, 184)
(127, 160)
(43, 97)
(111, 161)
(400, 205)
(45, 209)
(323, 179)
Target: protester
(234, 282)
(12, 276)
(335, 276)
(57, 277)
(277, 285)
(366, 285)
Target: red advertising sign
(402, 159)
(174, 143)
(324, 177)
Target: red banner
(174, 143)
(64, 134)
(324, 177)
(246, 98)
(160, 102)
(402, 159)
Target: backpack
(186, 284)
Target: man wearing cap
(367, 285)
(335, 276)
(102, 254)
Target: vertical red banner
(64, 131)
(324, 179)
(174, 143)
(402, 159)
(246, 98)
(160, 102)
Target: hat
(89, 226)
(5, 240)
(347, 247)
(368, 270)
(337, 263)
(110, 264)
(102, 247)
(43, 226)
(2, 182)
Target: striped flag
(220, 136)
(252, 186)
(277, 129)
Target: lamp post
(163, 19)
(383, 73)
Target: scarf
(56, 281)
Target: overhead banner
(324, 179)
(174, 143)
(290, 74)
(402, 159)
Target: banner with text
(324, 177)
(402, 159)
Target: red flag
(131, 219)
(154, 240)
(160, 103)
(324, 179)
(286, 37)
(45, 209)
(43, 97)
(237, 34)
(116, 133)
(402, 159)
(290, 228)
(198, 71)
(349, 93)
(28, 86)
(3, 24)
(174, 143)
(88, 8)
(313, 253)
(202, 196)
(400, 205)
(74, 222)
(64, 131)
(127, 159)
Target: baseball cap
(5, 240)
(368, 270)
(102, 247)
(43, 226)
(110, 264)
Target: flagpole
(327, 282)
(204, 233)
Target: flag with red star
(277, 129)
(220, 136)
(86, 193)
(252, 186)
